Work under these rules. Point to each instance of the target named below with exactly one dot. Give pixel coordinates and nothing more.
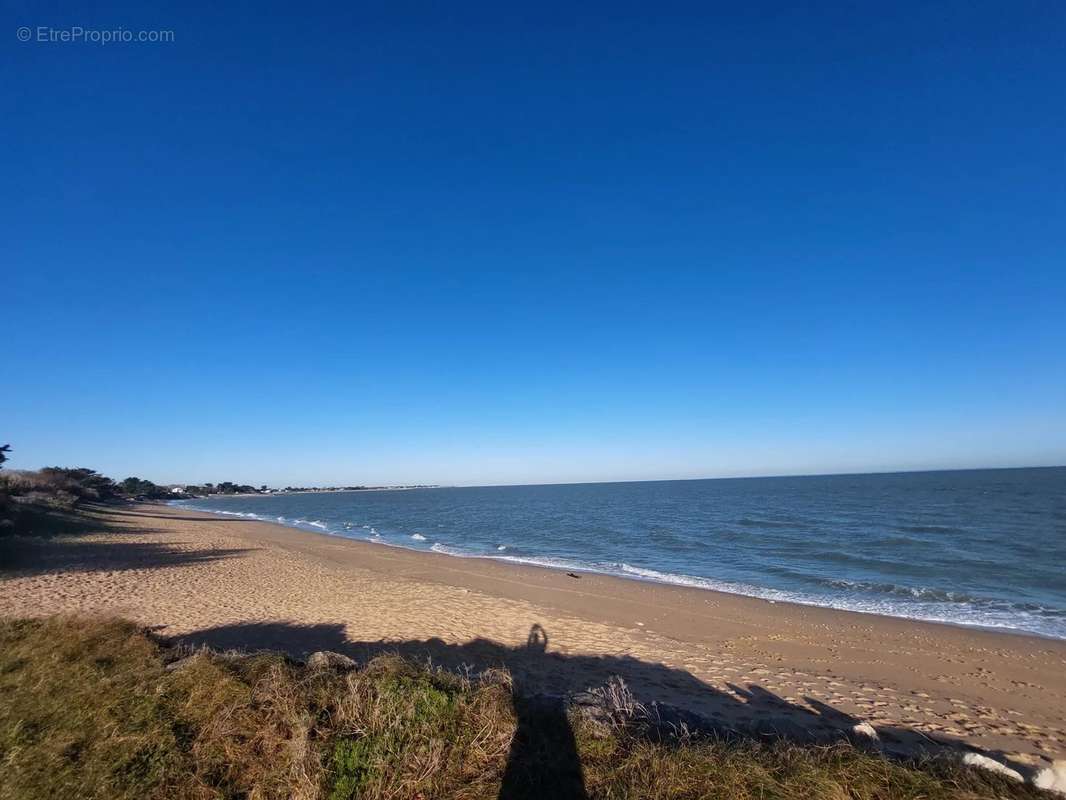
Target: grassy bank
(98, 709)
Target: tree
(138, 486)
(87, 484)
(131, 485)
(3, 454)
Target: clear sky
(467, 243)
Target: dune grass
(89, 709)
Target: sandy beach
(742, 661)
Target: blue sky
(390, 243)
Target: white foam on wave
(947, 612)
(243, 514)
(551, 562)
(449, 551)
(501, 547)
(699, 583)
(418, 537)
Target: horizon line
(413, 486)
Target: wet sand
(742, 661)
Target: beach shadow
(543, 760)
(46, 523)
(33, 556)
(47, 541)
(297, 641)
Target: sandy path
(232, 582)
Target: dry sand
(237, 583)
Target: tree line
(64, 488)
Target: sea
(983, 548)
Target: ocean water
(982, 547)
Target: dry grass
(89, 709)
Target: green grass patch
(354, 764)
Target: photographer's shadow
(543, 760)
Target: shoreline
(517, 561)
(492, 562)
(233, 582)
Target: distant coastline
(327, 490)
